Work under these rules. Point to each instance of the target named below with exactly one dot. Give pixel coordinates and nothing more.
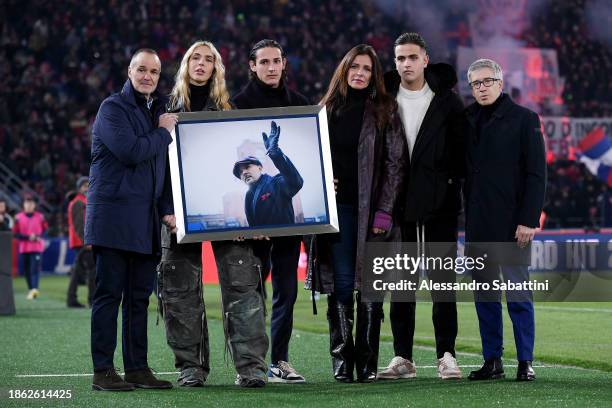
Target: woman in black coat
(368, 158)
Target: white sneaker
(284, 373)
(398, 368)
(448, 368)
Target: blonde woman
(200, 85)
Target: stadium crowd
(61, 59)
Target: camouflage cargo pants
(182, 306)
(243, 307)
(180, 294)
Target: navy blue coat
(126, 176)
(269, 201)
(505, 173)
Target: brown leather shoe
(145, 379)
(109, 380)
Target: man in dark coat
(131, 135)
(504, 195)
(267, 88)
(269, 199)
(433, 121)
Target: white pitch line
(557, 308)
(469, 354)
(480, 365)
(380, 368)
(573, 309)
(458, 353)
(77, 375)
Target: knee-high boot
(367, 337)
(341, 347)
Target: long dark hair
(336, 93)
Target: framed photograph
(252, 172)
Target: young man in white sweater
(433, 119)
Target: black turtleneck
(344, 130)
(486, 112)
(198, 96)
(257, 94)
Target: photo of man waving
(269, 199)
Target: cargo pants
(181, 301)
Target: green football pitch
(45, 346)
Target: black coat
(433, 187)
(256, 94)
(505, 173)
(269, 201)
(381, 162)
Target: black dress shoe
(492, 369)
(525, 372)
(367, 377)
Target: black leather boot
(341, 347)
(492, 369)
(525, 372)
(367, 337)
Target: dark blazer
(126, 176)
(382, 160)
(506, 173)
(269, 201)
(433, 179)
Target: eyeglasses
(487, 82)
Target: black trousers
(82, 269)
(281, 254)
(444, 314)
(125, 278)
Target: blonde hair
(179, 97)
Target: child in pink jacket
(28, 230)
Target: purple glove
(382, 220)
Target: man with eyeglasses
(504, 194)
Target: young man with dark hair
(267, 88)
(431, 114)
